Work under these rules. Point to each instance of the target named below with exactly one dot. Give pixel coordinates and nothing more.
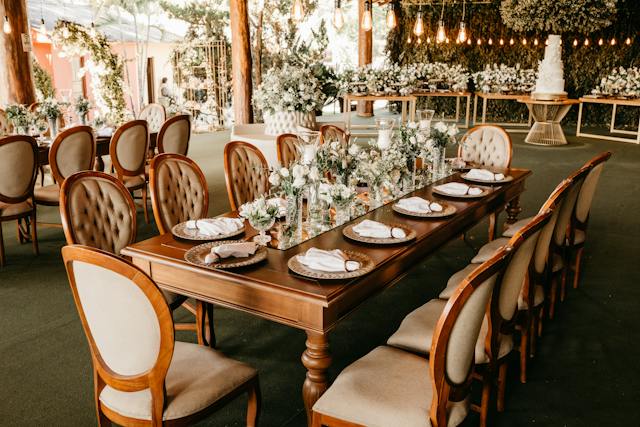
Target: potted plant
(82, 108)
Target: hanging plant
(106, 67)
(558, 16)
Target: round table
(547, 115)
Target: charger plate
(197, 254)
(485, 191)
(447, 210)
(506, 179)
(349, 232)
(182, 232)
(366, 266)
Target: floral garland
(503, 79)
(107, 67)
(620, 82)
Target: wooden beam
(365, 56)
(241, 61)
(16, 72)
(151, 81)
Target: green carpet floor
(586, 373)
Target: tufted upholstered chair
(5, 125)
(155, 115)
(98, 211)
(246, 173)
(330, 133)
(174, 135)
(72, 151)
(393, 387)
(178, 191)
(18, 167)
(580, 219)
(128, 151)
(487, 145)
(287, 145)
(142, 376)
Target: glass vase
(293, 224)
(439, 163)
(343, 212)
(83, 119)
(375, 196)
(314, 208)
(409, 178)
(262, 225)
(53, 127)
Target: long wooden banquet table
(269, 290)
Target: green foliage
(43, 82)
(208, 19)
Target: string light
(418, 28)
(447, 40)
(462, 32)
(600, 42)
(392, 20)
(613, 41)
(419, 40)
(469, 41)
(501, 42)
(524, 42)
(575, 42)
(490, 41)
(297, 11)
(441, 34)
(41, 37)
(428, 39)
(479, 42)
(338, 16)
(409, 40)
(546, 42)
(511, 41)
(628, 41)
(586, 42)
(535, 41)
(6, 27)
(367, 19)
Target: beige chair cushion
(516, 226)
(176, 137)
(248, 175)
(198, 377)
(11, 209)
(415, 333)
(487, 251)
(387, 387)
(47, 194)
(75, 154)
(131, 148)
(17, 163)
(455, 280)
(538, 298)
(155, 116)
(487, 146)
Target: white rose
(284, 172)
(299, 182)
(298, 171)
(274, 179)
(453, 131)
(441, 127)
(354, 150)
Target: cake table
(547, 115)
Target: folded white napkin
(378, 230)
(419, 205)
(334, 261)
(458, 189)
(105, 131)
(484, 175)
(237, 250)
(215, 226)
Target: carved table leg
(204, 319)
(513, 210)
(316, 359)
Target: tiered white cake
(550, 83)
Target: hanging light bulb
(586, 42)
(409, 40)
(367, 19)
(501, 41)
(41, 36)
(524, 41)
(441, 35)
(469, 41)
(479, 42)
(535, 42)
(613, 41)
(6, 27)
(600, 42)
(297, 11)
(392, 20)
(462, 33)
(490, 41)
(418, 28)
(338, 16)
(628, 41)
(511, 41)
(92, 31)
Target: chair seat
(13, 209)
(579, 237)
(487, 251)
(387, 387)
(49, 194)
(416, 332)
(516, 226)
(538, 298)
(455, 280)
(197, 378)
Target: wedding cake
(550, 83)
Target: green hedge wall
(584, 65)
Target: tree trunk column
(365, 56)
(16, 73)
(241, 61)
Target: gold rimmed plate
(366, 266)
(447, 210)
(485, 191)
(197, 254)
(350, 233)
(182, 232)
(506, 179)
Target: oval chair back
(487, 145)
(128, 148)
(155, 115)
(73, 150)
(18, 168)
(246, 173)
(178, 191)
(174, 135)
(97, 211)
(330, 133)
(287, 145)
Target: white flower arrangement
(289, 88)
(19, 115)
(292, 180)
(376, 168)
(620, 82)
(341, 195)
(504, 79)
(442, 135)
(260, 210)
(50, 109)
(82, 105)
(337, 158)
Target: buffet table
(269, 290)
(615, 102)
(486, 97)
(547, 115)
(457, 96)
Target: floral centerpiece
(20, 118)
(289, 97)
(338, 159)
(341, 198)
(504, 79)
(82, 107)
(380, 169)
(262, 214)
(50, 109)
(440, 136)
(620, 82)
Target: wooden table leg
(513, 210)
(204, 317)
(99, 164)
(316, 359)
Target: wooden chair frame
(55, 147)
(281, 145)
(166, 125)
(154, 379)
(30, 228)
(123, 172)
(334, 128)
(228, 150)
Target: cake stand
(547, 115)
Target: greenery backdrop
(584, 65)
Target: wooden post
(16, 72)
(241, 61)
(151, 81)
(365, 56)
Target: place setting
(485, 176)
(419, 207)
(374, 232)
(209, 229)
(226, 254)
(333, 264)
(460, 190)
